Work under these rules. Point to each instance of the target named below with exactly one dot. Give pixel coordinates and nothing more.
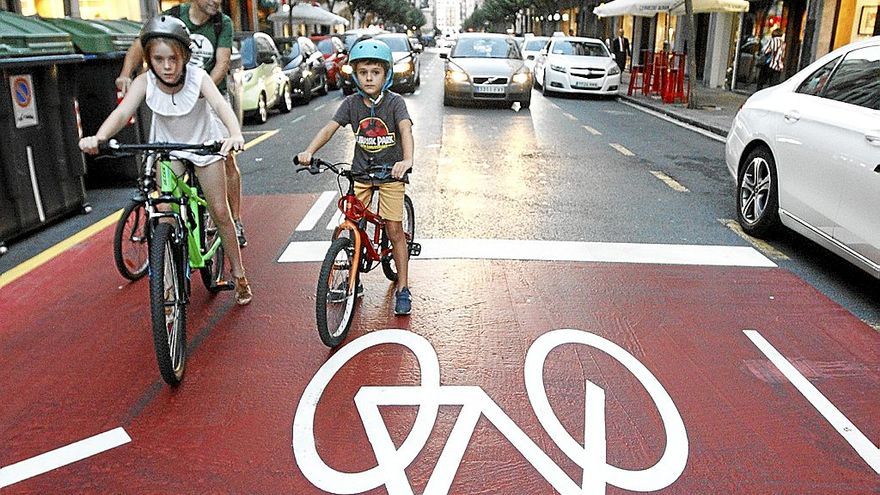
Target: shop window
(44, 8)
(814, 84)
(110, 9)
(857, 79)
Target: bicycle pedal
(415, 249)
(221, 286)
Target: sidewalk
(717, 107)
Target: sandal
(243, 293)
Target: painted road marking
(322, 105)
(669, 181)
(592, 131)
(311, 219)
(866, 450)
(531, 250)
(622, 149)
(768, 250)
(335, 221)
(266, 135)
(294, 121)
(570, 116)
(62, 456)
(710, 135)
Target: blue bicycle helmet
(371, 49)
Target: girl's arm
(320, 139)
(406, 140)
(119, 117)
(235, 141)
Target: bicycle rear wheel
(409, 229)
(130, 247)
(167, 303)
(336, 293)
(212, 272)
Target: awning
(650, 8)
(303, 13)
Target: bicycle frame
(357, 216)
(185, 201)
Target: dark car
(407, 67)
(303, 65)
(335, 57)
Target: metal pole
(254, 16)
(739, 29)
(692, 53)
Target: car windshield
(396, 43)
(294, 51)
(326, 46)
(534, 45)
(581, 48)
(248, 53)
(485, 48)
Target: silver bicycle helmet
(169, 27)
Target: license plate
(489, 88)
(586, 85)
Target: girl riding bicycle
(179, 96)
(383, 142)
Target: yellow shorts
(390, 198)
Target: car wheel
(544, 89)
(262, 109)
(324, 85)
(307, 92)
(525, 104)
(757, 194)
(286, 99)
(447, 101)
(347, 91)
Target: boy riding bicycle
(383, 148)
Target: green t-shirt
(205, 40)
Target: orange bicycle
(359, 244)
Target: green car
(264, 84)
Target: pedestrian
(181, 97)
(211, 32)
(620, 49)
(383, 141)
(772, 60)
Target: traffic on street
(594, 308)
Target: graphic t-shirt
(377, 137)
(204, 40)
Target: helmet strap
(176, 84)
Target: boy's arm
(318, 142)
(118, 117)
(406, 141)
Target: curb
(669, 113)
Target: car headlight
(614, 70)
(521, 77)
(457, 75)
(347, 69)
(558, 68)
(403, 67)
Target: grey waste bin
(41, 166)
(104, 44)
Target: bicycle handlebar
(317, 166)
(208, 148)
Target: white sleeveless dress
(184, 117)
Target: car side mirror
(444, 55)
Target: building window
(44, 8)
(110, 9)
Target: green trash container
(104, 43)
(41, 166)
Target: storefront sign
(24, 104)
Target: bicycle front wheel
(167, 303)
(212, 273)
(409, 229)
(336, 294)
(130, 247)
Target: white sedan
(806, 154)
(577, 65)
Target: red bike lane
(663, 371)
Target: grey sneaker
(239, 232)
(403, 302)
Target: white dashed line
(622, 149)
(592, 131)
(669, 181)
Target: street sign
(24, 101)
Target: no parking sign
(24, 104)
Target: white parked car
(531, 48)
(576, 65)
(806, 154)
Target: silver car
(485, 67)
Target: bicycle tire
(169, 327)
(334, 316)
(130, 247)
(212, 272)
(409, 229)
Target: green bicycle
(182, 238)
